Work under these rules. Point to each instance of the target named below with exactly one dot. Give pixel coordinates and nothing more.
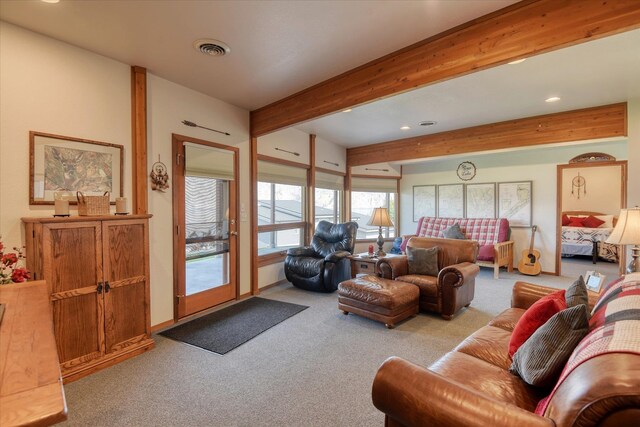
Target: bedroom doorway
(590, 196)
(205, 193)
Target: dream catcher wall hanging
(159, 176)
(578, 184)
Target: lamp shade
(380, 218)
(627, 230)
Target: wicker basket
(93, 205)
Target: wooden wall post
(139, 139)
(253, 142)
(311, 189)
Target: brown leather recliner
(454, 286)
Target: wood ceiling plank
(577, 125)
(524, 29)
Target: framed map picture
(515, 202)
(481, 200)
(451, 201)
(424, 201)
(61, 164)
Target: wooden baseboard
(279, 282)
(107, 361)
(245, 296)
(162, 325)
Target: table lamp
(627, 232)
(380, 218)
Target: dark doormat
(224, 330)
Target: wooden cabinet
(97, 273)
(362, 265)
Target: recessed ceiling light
(428, 123)
(51, 1)
(405, 128)
(211, 47)
(552, 99)
(348, 110)
(517, 61)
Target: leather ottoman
(386, 301)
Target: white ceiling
(596, 73)
(277, 47)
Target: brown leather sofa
(454, 286)
(471, 385)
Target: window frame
(279, 255)
(397, 203)
(339, 195)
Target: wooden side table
(360, 265)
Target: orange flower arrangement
(10, 270)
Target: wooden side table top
(31, 390)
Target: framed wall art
(480, 200)
(451, 201)
(62, 164)
(424, 201)
(515, 202)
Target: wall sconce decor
(159, 176)
(578, 184)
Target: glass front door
(205, 190)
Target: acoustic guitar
(530, 261)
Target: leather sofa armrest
(392, 267)
(524, 294)
(302, 251)
(458, 274)
(414, 396)
(337, 256)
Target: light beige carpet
(313, 369)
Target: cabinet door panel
(125, 251)
(73, 257)
(77, 325)
(126, 269)
(125, 308)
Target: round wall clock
(466, 171)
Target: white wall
(289, 139)
(52, 87)
(599, 193)
(537, 165)
(388, 169)
(327, 151)
(168, 104)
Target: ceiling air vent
(211, 47)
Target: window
(328, 197)
(370, 193)
(281, 205)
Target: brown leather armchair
(454, 286)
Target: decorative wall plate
(466, 171)
(593, 157)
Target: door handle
(99, 288)
(107, 287)
(233, 233)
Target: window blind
(374, 185)
(208, 162)
(281, 174)
(329, 181)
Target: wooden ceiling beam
(527, 28)
(577, 125)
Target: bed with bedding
(584, 233)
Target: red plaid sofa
(491, 233)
